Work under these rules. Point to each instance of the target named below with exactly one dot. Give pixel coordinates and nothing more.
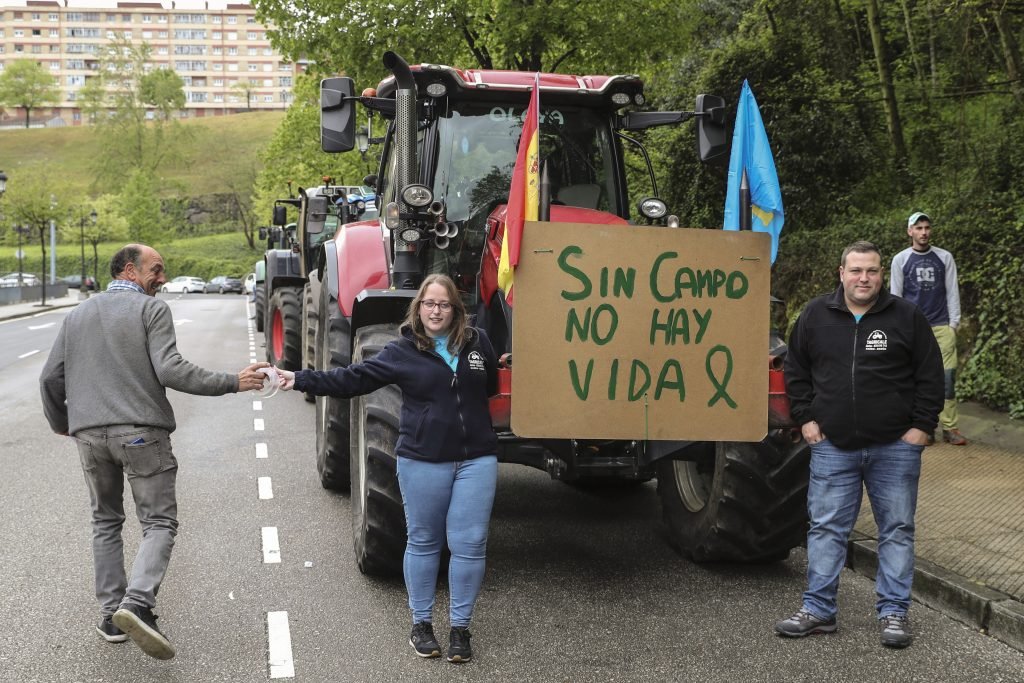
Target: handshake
(265, 379)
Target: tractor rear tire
(309, 325)
(260, 305)
(284, 338)
(378, 519)
(744, 502)
(333, 414)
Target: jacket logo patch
(476, 361)
(877, 341)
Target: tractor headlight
(417, 196)
(410, 235)
(653, 208)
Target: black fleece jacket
(445, 416)
(868, 382)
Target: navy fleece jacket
(445, 416)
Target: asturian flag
(524, 195)
(751, 153)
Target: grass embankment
(217, 147)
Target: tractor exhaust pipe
(405, 271)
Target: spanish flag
(524, 195)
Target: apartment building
(213, 45)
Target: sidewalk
(11, 311)
(970, 519)
(970, 527)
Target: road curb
(29, 314)
(980, 607)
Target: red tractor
(448, 154)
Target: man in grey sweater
(108, 391)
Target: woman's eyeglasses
(430, 305)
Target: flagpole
(744, 202)
(544, 212)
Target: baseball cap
(916, 216)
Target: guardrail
(17, 295)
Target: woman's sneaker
(458, 645)
(140, 625)
(423, 641)
(803, 623)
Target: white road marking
(252, 359)
(257, 405)
(41, 327)
(30, 353)
(280, 650)
(271, 546)
(265, 488)
(257, 424)
(261, 450)
(181, 322)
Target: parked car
(250, 283)
(27, 280)
(185, 284)
(222, 284)
(75, 282)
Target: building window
(162, 50)
(217, 66)
(162, 34)
(218, 82)
(54, 33)
(232, 19)
(218, 97)
(147, 18)
(251, 35)
(218, 51)
(19, 33)
(215, 19)
(267, 52)
(268, 82)
(268, 67)
(161, 19)
(232, 67)
(35, 16)
(232, 35)
(285, 81)
(37, 31)
(53, 16)
(252, 52)
(147, 35)
(253, 67)
(217, 35)
(268, 98)
(250, 19)
(54, 66)
(232, 50)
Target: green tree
(24, 83)
(138, 204)
(553, 35)
(134, 110)
(244, 88)
(30, 202)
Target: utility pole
(53, 244)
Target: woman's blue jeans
(446, 501)
(890, 473)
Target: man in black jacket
(864, 379)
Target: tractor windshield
(476, 154)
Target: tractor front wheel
(378, 519)
(284, 348)
(741, 502)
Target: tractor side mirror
(280, 215)
(711, 136)
(337, 120)
(316, 214)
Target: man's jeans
(890, 473)
(452, 499)
(144, 454)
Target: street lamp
(81, 229)
(362, 140)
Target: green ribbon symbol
(720, 386)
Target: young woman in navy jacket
(446, 450)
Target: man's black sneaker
(895, 630)
(109, 632)
(423, 641)
(140, 625)
(803, 623)
(458, 645)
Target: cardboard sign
(623, 332)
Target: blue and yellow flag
(751, 152)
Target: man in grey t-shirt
(108, 391)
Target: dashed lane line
(271, 546)
(265, 488)
(280, 640)
(261, 450)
